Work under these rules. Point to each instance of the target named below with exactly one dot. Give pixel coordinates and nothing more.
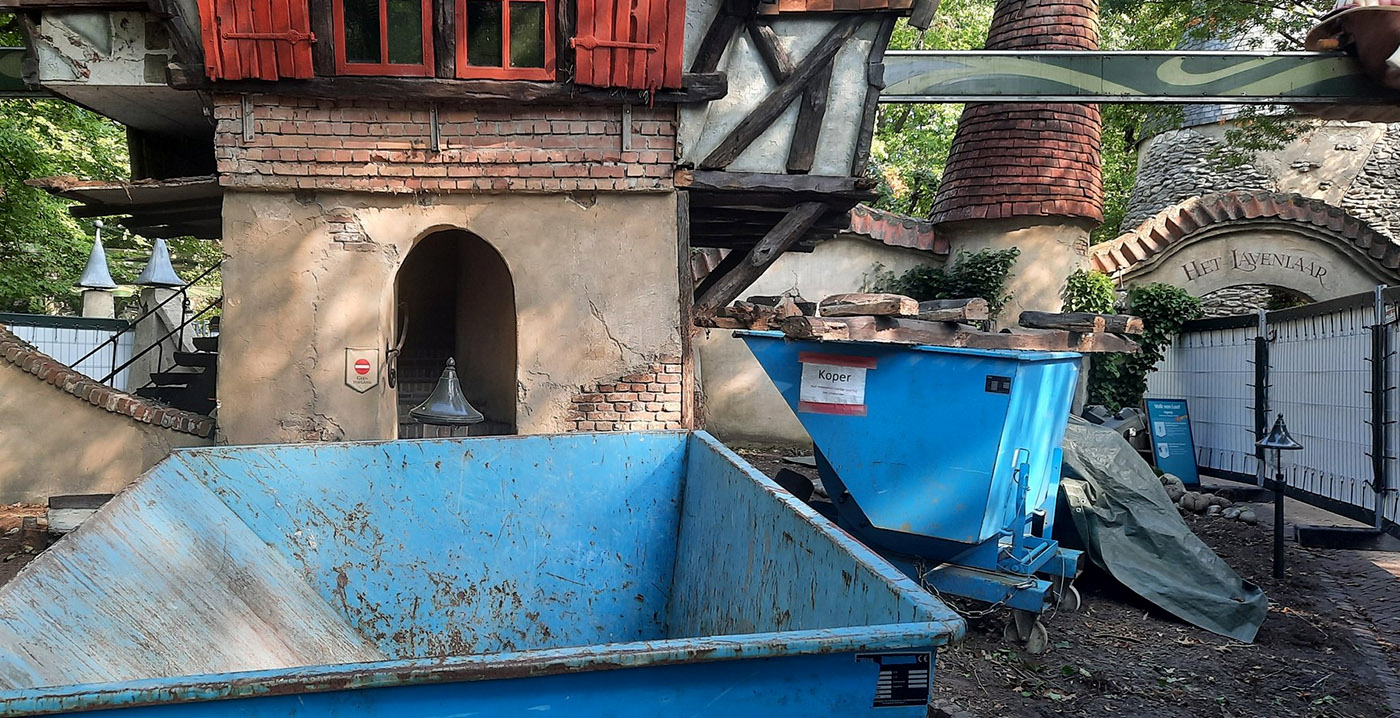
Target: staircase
(191, 383)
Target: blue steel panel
(165, 580)
(750, 560)
(454, 547)
(933, 456)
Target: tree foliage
(1089, 291)
(43, 248)
(1119, 380)
(983, 273)
(912, 142)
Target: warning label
(833, 384)
(903, 680)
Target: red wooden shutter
(256, 39)
(637, 44)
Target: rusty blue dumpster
(635, 574)
(945, 459)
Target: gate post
(1380, 402)
(1261, 394)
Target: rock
(1169, 479)
(1220, 501)
(1213, 510)
(1248, 517)
(1175, 493)
(944, 708)
(1231, 513)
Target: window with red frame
(384, 37)
(505, 39)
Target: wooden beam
(762, 116)
(899, 330)
(1082, 322)
(815, 328)
(922, 16)
(695, 88)
(868, 304)
(954, 310)
(770, 49)
(747, 182)
(790, 229)
(445, 38)
(37, 5)
(807, 132)
(725, 266)
(184, 35)
(323, 27)
(715, 42)
(686, 286)
(860, 159)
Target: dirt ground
(1317, 654)
(18, 544)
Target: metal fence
(1329, 368)
(68, 339)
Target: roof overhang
(180, 207)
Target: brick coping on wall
(1178, 222)
(16, 351)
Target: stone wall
(1234, 301)
(1354, 166)
(381, 146)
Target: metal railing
(159, 345)
(1328, 368)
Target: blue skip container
(946, 459)
(635, 574)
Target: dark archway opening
(1250, 298)
(455, 298)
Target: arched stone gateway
(1234, 239)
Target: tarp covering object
(1132, 530)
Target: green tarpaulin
(1132, 530)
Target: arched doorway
(455, 298)
(1250, 298)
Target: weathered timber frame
(733, 277)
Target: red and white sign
(361, 369)
(833, 383)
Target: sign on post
(361, 369)
(1173, 449)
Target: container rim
(925, 635)
(1021, 355)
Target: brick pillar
(1028, 175)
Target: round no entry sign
(361, 366)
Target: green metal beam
(11, 78)
(1129, 77)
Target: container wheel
(1039, 639)
(1068, 599)
(1026, 629)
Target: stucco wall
(1051, 249)
(595, 280)
(740, 403)
(1310, 264)
(52, 442)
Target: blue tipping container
(938, 453)
(589, 574)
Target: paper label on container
(833, 384)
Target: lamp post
(1280, 441)
(447, 405)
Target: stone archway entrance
(455, 298)
(1289, 242)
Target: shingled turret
(1033, 167)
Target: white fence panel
(1214, 372)
(68, 344)
(1320, 380)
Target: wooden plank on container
(814, 328)
(954, 310)
(868, 304)
(901, 330)
(1082, 322)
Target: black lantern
(1280, 441)
(447, 406)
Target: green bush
(983, 273)
(1090, 291)
(1119, 380)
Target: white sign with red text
(833, 383)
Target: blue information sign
(1173, 450)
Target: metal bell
(447, 406)
(1279, 439)
(96, 275)
(158, 272)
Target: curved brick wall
(1028, 160)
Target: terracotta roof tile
(1177, 223)
(896, 230)
(62, 377)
